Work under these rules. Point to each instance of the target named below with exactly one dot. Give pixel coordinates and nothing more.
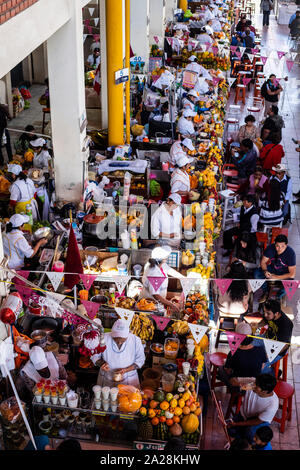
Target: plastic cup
(73, 402)
(46, 398)
(97, 391)
(62, 400)
(114, 406)
(105, 405)
(38, 398)
(190, 349)
(54, 400)
(97, 404)
(113, 394)
(105, 393)
(168, 382)
(186, 368)
(137, 269)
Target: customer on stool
(262, 438)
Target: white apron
(33, 374)
(182, 180)
(27, 191)
(15, 253)
(119, 359)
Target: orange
(143, 411)
(176, 419)
(169, 422)
(154, 421)
(193, 407)
(164, 405)
(178, 411)
(151, 413)
(181, 403)
(186, 410)
(173, 403)
(153, 404)
(198, 411)
(162, 419)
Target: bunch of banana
(181, 327)
(142, 327)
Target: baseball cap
(38, 358)
(243, 328)
(120, 329)
(188, 143)
(17, 220)
(161, 252)
(189, 113)
(37, 142)
(176, 198)
(280, 167)
(14, 168)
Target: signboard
(148, 445)
(121, 76)
(155, 62)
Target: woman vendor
(15, 245)
(166, 222)
(40, 365)
(185, 124)
(41, 157)
(124, 353)
(6, 180)
(190, 101)
(179, 150)
(158, 267)
(22, 193)
(180, 180)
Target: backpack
(263, 90)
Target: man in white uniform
(185, 124)
(166, 222)
(41, 157)
(189, 102)
(209, 13)
(209, 29)
(202, 86)
(198, 68)
(179, 150)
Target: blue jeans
(259, 274)
(244, 432)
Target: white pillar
(9, 102)
(104, 107)
(139, 28)
(157, 19)
(67, 100)
(171, 5)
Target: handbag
(43, 100)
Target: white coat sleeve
(14, 192)
(155, 224)
(139, 353)
(24, 247)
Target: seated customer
(247, 361)
(236, 300)
(258, 408)
(271, 205)
(271, 154)
(246, 252)
(248, 130)
(256, 184)
(244, 159)
(262, 438)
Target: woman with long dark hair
(235, 301)
(271, 205)
(246, 251)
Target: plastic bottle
(11, 308)
(29, 213)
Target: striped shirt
(268, 217)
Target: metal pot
(43, 232)
(99, 299)
(40, 337)
(90, 223)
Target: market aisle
(275, 37)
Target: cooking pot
(90, 223)
(40, 338)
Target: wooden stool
(240, 96)
(235, 396)
(229, 326)
(216, 360)
(45, 111)
(275, 366)
(285, 392)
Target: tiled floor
(275, 37)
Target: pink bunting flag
(255, 51)
(234, 340)
(290, 288)
(280, 54)
(215, 50)
(207, 45)
(86, 22)
(161, 322)
(223, 284)
(25, 293)
(23, 274)
(89, 29)
(156, 282)
(264, 59)
(156, 39)
(289, 64)
(92, 308)
(233, 48)
(246, 81)
(88, 280)
(238, 54)
(73, 319)
(215, 81)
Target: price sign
(121, 76)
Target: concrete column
(170, 6)
(7, 80)
(104, 105)
(27, 69)
(67, 98)
(157, 19)
(139, 28)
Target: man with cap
(209, 28)
(179, 150)
(6, 180)
(203, 86)
(41, 365)
(41, 157)
(166, 222)
(203, 37)
(124, 353)
(185, 124)
(15, 245)
(285, 187)
(180, 180)
(157, 267)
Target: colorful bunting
(84, 37)
(289, 64)
(280, 54)
(242, 50)
(263, 59)
(231, 81)
(121, 282)
(234, 340)
(161, 322)
(256, 284)
(187, 284)
(290, 288)
(91, 11)
(55, 278)
(198, 331)
(246, 81)
(223, 284)
(233, 48)
(88, 280)
(96, 21)
(273, 348)
(92, 308)
(125, 314)
(24, 274)
(24, 292)
(156, 281)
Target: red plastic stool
(285, 392)
(233, 397)
(275, 366)
(216, 360)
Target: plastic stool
(240, 96)
(227, 195)
(285, 392)
(275, 366)
(233, 397)
(216, 360)
(45, 111)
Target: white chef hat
(161, 252)
(192, 58)
(17, 220)
(14, 168)
(183, 161)
(37, 142)
(120, 329)
(193, 93)
(38, 358)
(189, 113)
(176, 198)
(189, 144)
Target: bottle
(29, 213)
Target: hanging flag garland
(273, 348)
(156, 281)
(198, 331)
(256, 284)
(234, 340)
(121, 282)
(88, 280)
(125, 314)
(290, 288)
(92, 308)
(55, 279)
(223, 284)
(161, 322)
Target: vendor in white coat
(166, 222)
(185, 124)
(209, 13)
(194, 66)
(190, 101)
(179, 150)
(41, 365)
(158, 267)
(124, 353)
(41, 157)
(180, 180)
(15, 245)
(22, 194)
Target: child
(262, 438)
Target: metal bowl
(40, 337)
(100, 299)
(43, 232)
(158, 345)
(117, 376)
